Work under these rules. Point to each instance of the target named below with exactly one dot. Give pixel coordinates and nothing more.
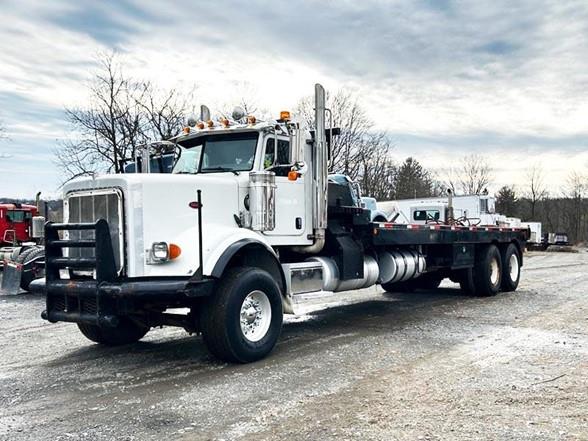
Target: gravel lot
(430, 366)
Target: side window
(283, 153)
(426, 215)
(483, 205)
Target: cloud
(505, 77)
(110, 23)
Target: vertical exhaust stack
(320, 171)
(320, 160)
(449, 213)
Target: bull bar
(103, 299)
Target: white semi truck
(246, 222)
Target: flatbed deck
(385, 234)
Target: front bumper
(87, 301)
(103, 300)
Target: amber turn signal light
(174, 251)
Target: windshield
(232, 152)
(18, 215)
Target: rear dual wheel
(485, 278)
(511, 271)
(494, 271)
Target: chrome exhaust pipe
(320, 172)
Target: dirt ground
(362, 366)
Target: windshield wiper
(220, 169)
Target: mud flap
(11, 277)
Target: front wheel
(127, 331)
(242, 321)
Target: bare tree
(246, 96)
(576, 192)
(164, 110)
(536, 187)
(121, 114)
(472, 177)
(349, 116)
(376, 167)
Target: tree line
(565, 212)
(123, 113)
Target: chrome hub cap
(513, 265)
(256, 316)
(494, 273)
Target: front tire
(242, 321)
(127, 331)
(511, 269)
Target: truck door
(290, 200)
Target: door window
(283, 153)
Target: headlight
(159, 251)
(162, 252)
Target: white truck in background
(471, 209)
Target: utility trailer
(246, 222)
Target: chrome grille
(88, 207)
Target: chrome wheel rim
(494, 272)
(255, 316)
(513, 267)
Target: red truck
(21, 256)
(16, 223)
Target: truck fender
(260, 253)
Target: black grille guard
(101, 300)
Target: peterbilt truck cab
(133, 245)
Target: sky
(444, 78)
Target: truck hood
(157, 209)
